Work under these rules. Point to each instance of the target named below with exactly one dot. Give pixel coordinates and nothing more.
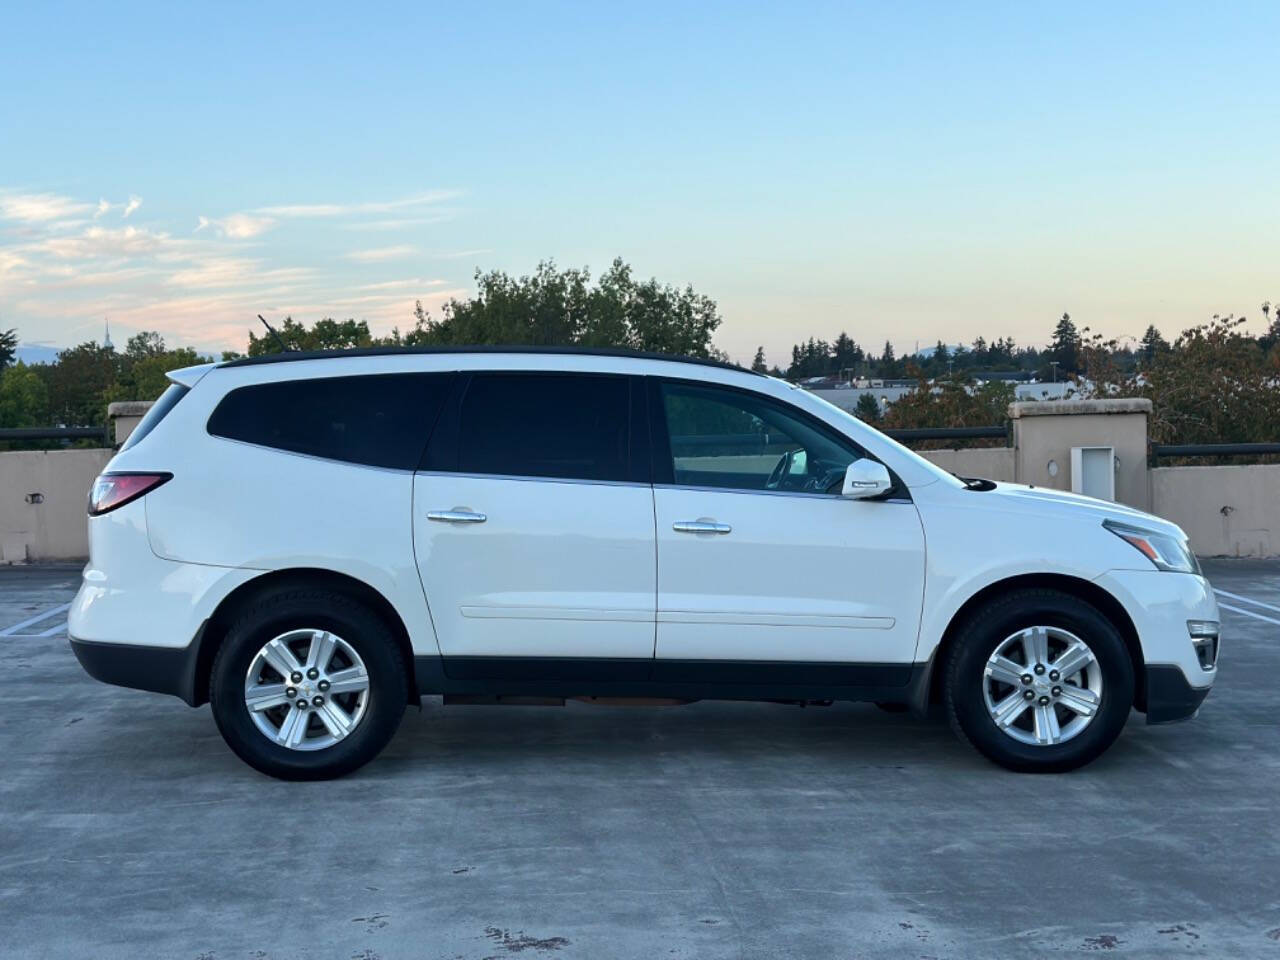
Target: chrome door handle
(700, 526)
(457, 516)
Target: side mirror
(864, 479)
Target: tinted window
(536, 425)
(159, 410)
(381, 420)
(726, 438)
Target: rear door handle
(457, 516)
(700, 526)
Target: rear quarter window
(159, 410)
(378, 420)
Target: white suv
(311, 542)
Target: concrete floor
(128, 830)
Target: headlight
(1166, 552)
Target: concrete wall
(1044, 433)
(990, 463)
(1231, 511)
(43, 495)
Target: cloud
(62, 259)
(40, 207)
(356, 209)
(106, 242)
(379, 254)
(238, 226)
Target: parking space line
(54, 631)
(1249, 613)
(13, 630)
(1244, 599)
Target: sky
(901, 171)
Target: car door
(533, 528)
(765, 573)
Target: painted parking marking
(13, 630)
(1244, 599)
(1249, 613)
(53, 631)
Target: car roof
(295, 355)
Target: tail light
(113, 490)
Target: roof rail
(293, 356)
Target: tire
(360, 654)
(977, 698)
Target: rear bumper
(1169, 696)
(170, 670)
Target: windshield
(932, 469)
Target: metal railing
(1159, 450)
(20, 434)
(949, 433)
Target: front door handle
(700, 526)
(457, 516)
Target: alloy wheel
(1042, 686)
(306, 689)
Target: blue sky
(900, 171)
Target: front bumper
(1170, 697)
(169, 670)
(1161, 606)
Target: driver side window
(733, 440)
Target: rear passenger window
(545, 425)
(381, 420)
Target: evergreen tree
(867, 409)
(758, 365)
(1065, 346)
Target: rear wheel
(1039, 681)
(308, 685)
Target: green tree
(554, 307)
(867, 409)
(1153, 345)
(758, 365)
(845, 353)
(24, 398)
(8, 347)
(1065, 346)
(78, 384)
(327, 334)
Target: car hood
(1041, 501)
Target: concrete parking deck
(128, 830)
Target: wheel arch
(215, 628)
(1091, 593)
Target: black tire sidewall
(990, 627)
(355, 624)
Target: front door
(764, 573)
(534, 537)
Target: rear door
(533, 528)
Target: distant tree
(24, 398)
(147, 343)
(867, 409)
(888, 365)
(560, 307)
(1271, 339)
(1065, 346)
(78, 383)
(8, 347)
(845, 353)
(326, 334)
(1152, 345)
(758, 364)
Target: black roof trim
(409, 351)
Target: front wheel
(1039, 681)
(308, 685)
